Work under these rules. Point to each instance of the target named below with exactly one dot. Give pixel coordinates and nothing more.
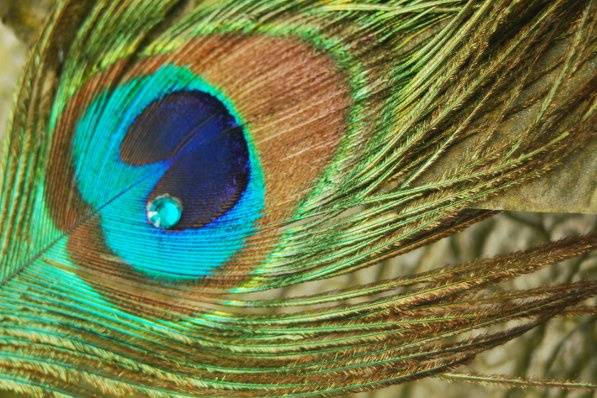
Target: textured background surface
(12, 59)
(565, 349)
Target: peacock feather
(172, 164)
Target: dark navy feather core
(205, 150)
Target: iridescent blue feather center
(169, 133)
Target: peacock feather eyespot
(175, 126)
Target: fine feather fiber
(303, 140)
